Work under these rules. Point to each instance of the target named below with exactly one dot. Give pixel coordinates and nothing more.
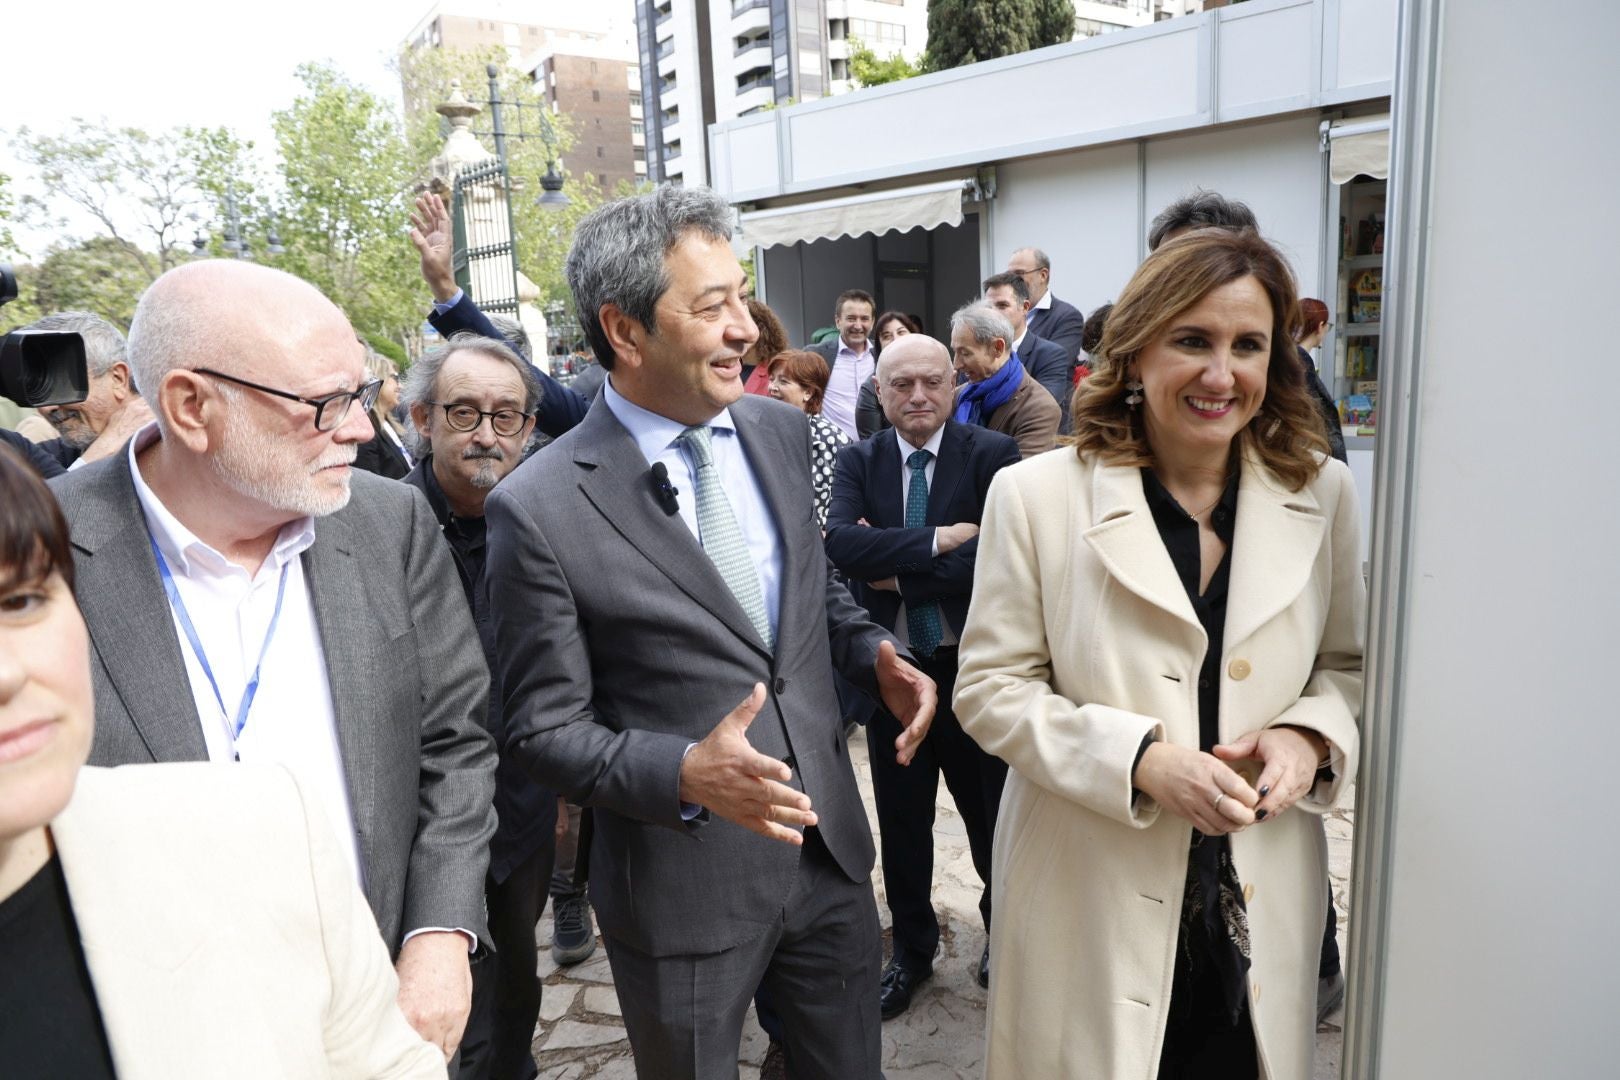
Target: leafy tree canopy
(968, 31)
(869, 70)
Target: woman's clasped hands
(1205, 789)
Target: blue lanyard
(234, 730)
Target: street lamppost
(552, 196)
(235, 235)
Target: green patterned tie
(922, 620)
(722, 538)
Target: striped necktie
(722, 537)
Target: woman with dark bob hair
(135, 903)
(1165, 646)
(799, 377)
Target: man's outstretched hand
(910, 695)
(725, 774)
(434, 238)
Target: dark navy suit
(867, 484)
(1052, 368)
(1062, 323)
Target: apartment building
(703, 61)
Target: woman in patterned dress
(800, 378)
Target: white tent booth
(917, 190)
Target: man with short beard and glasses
(111, 411)
(472, 403)
(251, 598)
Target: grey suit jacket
(407, 675)
(619, 645)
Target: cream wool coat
(225, 933)
(1079, 642)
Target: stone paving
(581, 1037)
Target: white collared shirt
(901, 631)
(656, 436)
(292, 721)
(1044, 302)
(851, 370)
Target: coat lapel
(616, 480)
(1274, 546)
(1125, 537)
(337, 593)
(885, 506)
(134, 635)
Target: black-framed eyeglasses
(329, 410)
(462, 417)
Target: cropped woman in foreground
(162, 920)
(1165, 646)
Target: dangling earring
(1134, 397)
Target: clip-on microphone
(664, 491)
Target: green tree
(868, 69)
(138, 187)
(543, 234)
(1054, 23)
(91, 275)
(345, 175)
(8, 245)
(967, 31)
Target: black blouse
(50, 1024)
(1214, 921)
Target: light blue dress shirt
(656, 436)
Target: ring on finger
(1218, 797)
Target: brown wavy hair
(772, 337)
(1285, 432)
(806, 368)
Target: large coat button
(1239, 670)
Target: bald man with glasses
(252, 598)
(1049, 319)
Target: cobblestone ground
(580, 1036)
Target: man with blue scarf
(998, 395)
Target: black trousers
(819, 964)
(1200, 1040)
(499, 1041)
(905, 810)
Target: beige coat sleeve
(1330, 703)
(366, 1034)
(1004, 697)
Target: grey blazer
(407, 675)
(619, 645)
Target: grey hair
(1200, 210)
(512, 330)
(1041, 261)
(103, 345)
(420, 386)
(984, 322)
(618, 254)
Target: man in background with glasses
(253, 599)
(472, 403)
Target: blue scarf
(980, 399)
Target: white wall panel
(1153, 78)
(1266, 58)
(1274, 167)
(1365, 42)
(1080, 208)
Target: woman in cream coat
(1081, 666)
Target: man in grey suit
(667, 632)
(251, 599)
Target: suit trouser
(905, 811)
(819, 962)
(506, 984)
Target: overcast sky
(165, 63)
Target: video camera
(40, 367)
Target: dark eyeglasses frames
(329, 410)
(504, 422)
